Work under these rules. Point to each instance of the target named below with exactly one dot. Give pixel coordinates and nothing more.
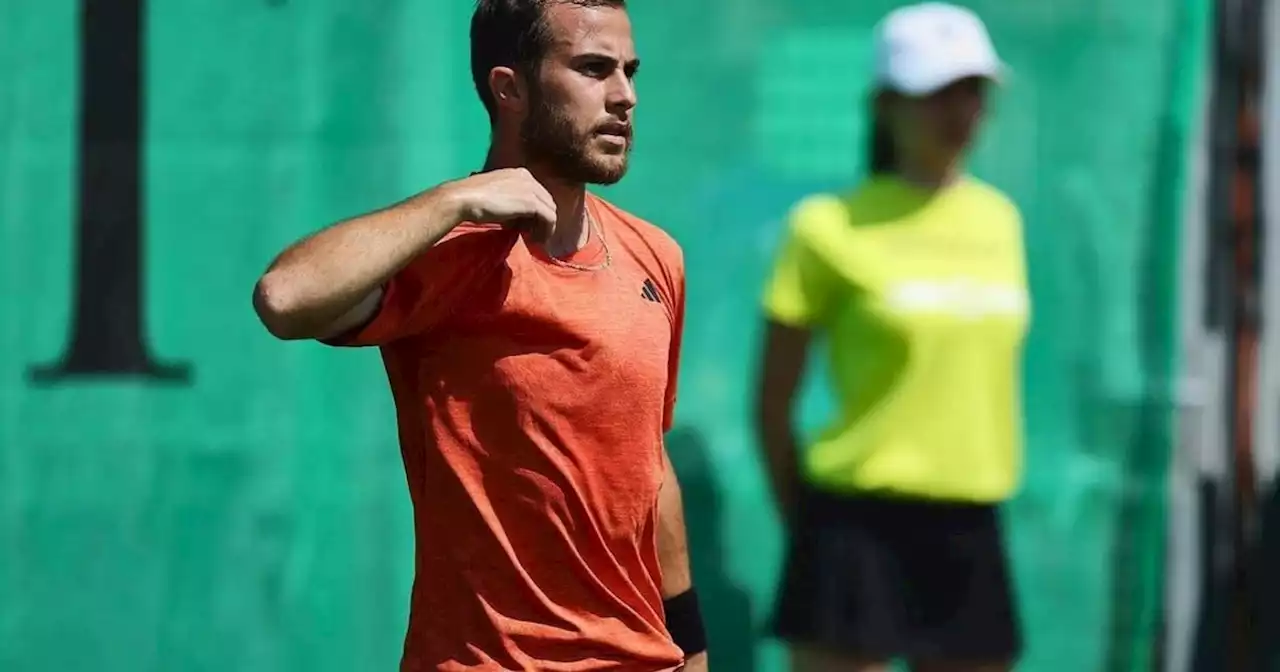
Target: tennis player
(531, 334)
(915, 281)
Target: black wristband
(684, 622)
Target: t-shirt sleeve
(801, 285)
(431, 288)
(677, 337)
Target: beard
(551, 139)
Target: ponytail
(882, 155)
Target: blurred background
(180, 492)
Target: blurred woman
(915, 283)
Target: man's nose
(622, 92)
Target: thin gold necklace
(593, 228)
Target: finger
(546, 222)
(538, 191)
(541, 192)
(547, 212)
(537, 228)
(526, 224)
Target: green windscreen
(179, 492)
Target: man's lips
(619, 130)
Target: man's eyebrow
(632, 64)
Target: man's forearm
(673, 546)
(317, 281)
(673, 556)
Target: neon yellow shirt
(923, 302)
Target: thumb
(535, 227)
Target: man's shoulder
(641, 231)
(471, 238)
(477, 232)
(468, 247)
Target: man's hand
(510, 196)
(697, 663)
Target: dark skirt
(890, 578)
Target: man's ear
(510, 92)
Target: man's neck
(571, 233)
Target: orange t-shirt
(532, 398)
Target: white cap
(923, 48)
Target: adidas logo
(649, 292)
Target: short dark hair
(512, 33)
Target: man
(530, 332)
